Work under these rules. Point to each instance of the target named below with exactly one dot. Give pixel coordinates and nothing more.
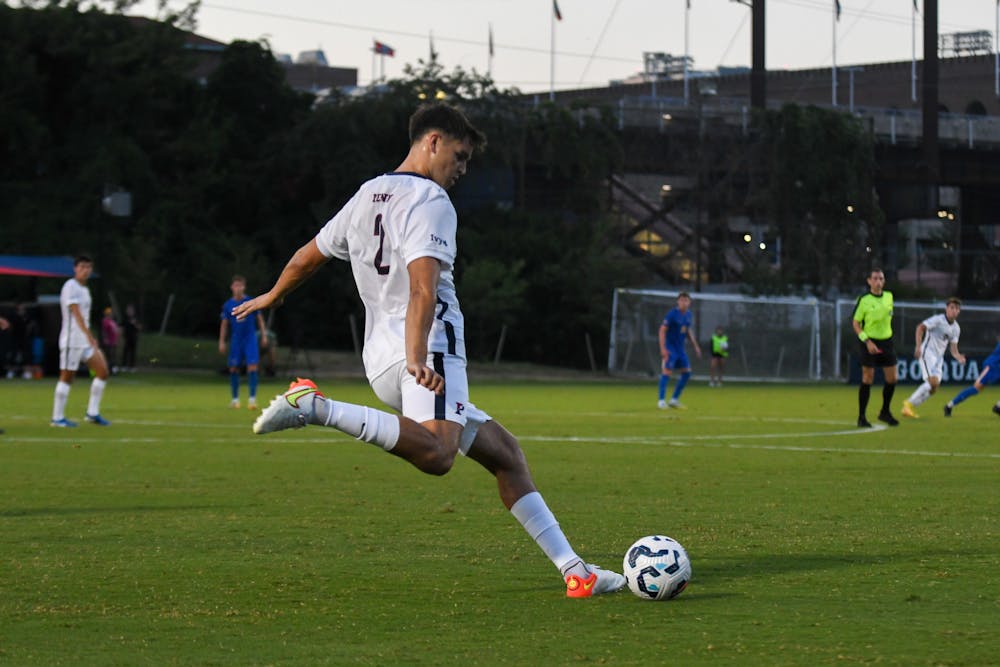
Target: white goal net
(770, 338)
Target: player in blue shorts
(990, 375)
(674, 332)
(243, 347)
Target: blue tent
(44, 266)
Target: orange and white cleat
(292, 409)
(600, 581)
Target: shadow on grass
(70, 511)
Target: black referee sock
(864, 393)
(887, 391)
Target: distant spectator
(109, 338)
(720, 352)
(131, 326)
(6, 348)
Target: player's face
(683, 303)
(238, 287)
(951, 311)
(449, 159)
(82, 271)
(876, 281)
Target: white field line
(706, 441)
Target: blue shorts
(992, 375)
(243, 351)
(678, 359)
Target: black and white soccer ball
(657, 567)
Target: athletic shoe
(62, 423)
(908, 410)
(864, 423)
(251, 404)
(996, 410)
(661, 404)
(947, 411)
(235, 404)
(97, 419)
(676, 405)
(289, 410)
(600, 581)
(888, 418)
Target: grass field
(176, 537)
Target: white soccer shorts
(931, 365)
(400, 391)
(71, 357)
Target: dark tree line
(232, 173)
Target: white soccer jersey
(70, 335)
(940, 333)
(392, 220)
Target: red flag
(555, 10)
(384, 49)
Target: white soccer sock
(59, 400)
(96, 392)
(364, 423)
(539, 522)
(921, 394)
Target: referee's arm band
(862, 336)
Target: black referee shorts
(885, 357)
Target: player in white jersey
(398, 232)
(77, 344)
(935, 336)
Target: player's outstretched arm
(305, 262)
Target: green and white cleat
(289, 410)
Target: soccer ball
(657, 567)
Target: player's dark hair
(953, 300)
(238, 277)
(82, 257)
(685, 294)
(446, 119)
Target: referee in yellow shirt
(873, 325)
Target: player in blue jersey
(989, 375)
(674, 332)
(243, 347)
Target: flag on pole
(491, 38)
(384, 49)
(836, 4)
(555, 10)
(917, 9)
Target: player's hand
(262, 302)
(960, 358)
(222, 347)
(872, 349)
(916, 353)
(426, 377)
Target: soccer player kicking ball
(990, 375)
(398, 232)
(934, 336)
